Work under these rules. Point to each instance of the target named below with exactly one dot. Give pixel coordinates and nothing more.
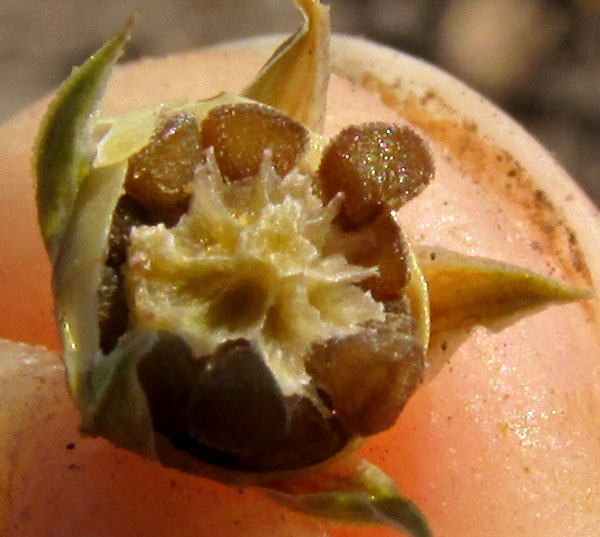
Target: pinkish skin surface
(505, 441)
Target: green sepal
(77, 275)
(64, 148)
(122, 136)
(465, 291)
(295, 78)
(352, 491)
(118, 409)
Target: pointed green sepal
(466, 291)
(295, 78)
(64, 145)
(77, 274)
(418, 296)
(117, 408)
(352, 491)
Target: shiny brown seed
(240, 134)
(113, 310)
(374, 165)
(227, 409)
(380, 243)
(369, 376)
(159, 175)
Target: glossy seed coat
(158, 176)
(371, 375)
(380, 243)
(241, 133)
(375, 165)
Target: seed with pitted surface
(158, 177)
(375, 165)
(240, 134)
(380, 243)
(113, 310)
(370, 375)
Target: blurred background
(538, 59)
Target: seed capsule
(231, 313)
(375, 165)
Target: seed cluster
(356, 372)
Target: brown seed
(227, 409)
(380, 243)
(240, 134)
(128, 213)
(113, 310)
(374, 165)
(159, 175)
(369, 376)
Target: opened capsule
(234, 293)
(273, 323)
